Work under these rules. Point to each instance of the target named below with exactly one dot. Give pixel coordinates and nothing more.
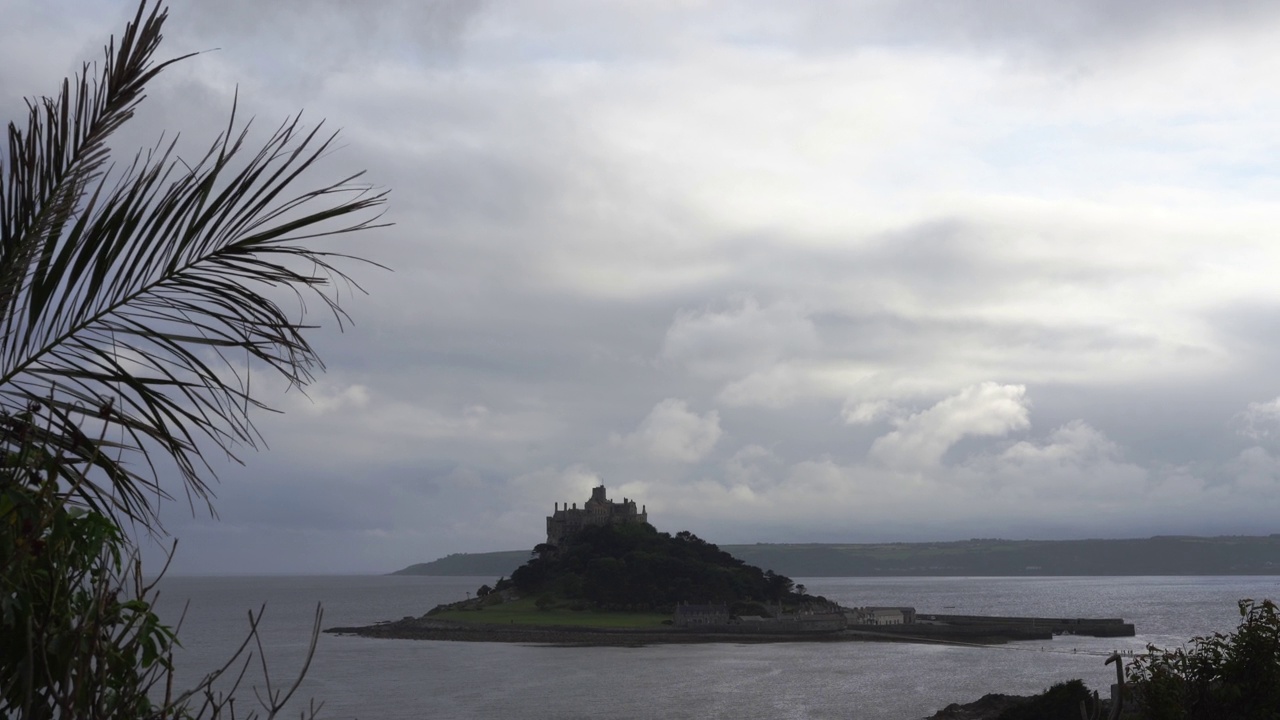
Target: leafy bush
(78, 641)
(125, 292)
(1059, 702)
(1233, 676)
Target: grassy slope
(523, 612)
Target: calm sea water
(364, 678)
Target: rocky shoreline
(988, 707)
(1065, 699)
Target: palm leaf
(132, 303)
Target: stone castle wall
(597, 511)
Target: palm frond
(130, 303)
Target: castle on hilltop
(599, 510)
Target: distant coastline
(1160, 555)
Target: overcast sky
(781, 272)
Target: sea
(354, 677)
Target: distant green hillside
(1166, 555)
(1150, 556)
(491, 564)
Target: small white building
(883, 616)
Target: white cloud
(1259, 420)
(1256, 470)
(1075, 477)
(921, 439)
(550, 485)
(866, 412)
(325, 398)
(753, 467)
(1075, 462)
(1074, 443)
(776, 387)
(740, 340)
(673, 433)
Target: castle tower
(599, 510)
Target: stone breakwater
(426, 628)
(1096, 627)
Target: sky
(812, 271)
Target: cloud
(1257, 471)
(753, 468)
(426, 30)
(865, 413)
(739, 340)
(818, 229)
(324, 398)
(1074, 481)
(1259, 420)
(550, 485)
(920, 440)
(774, 388)
(1076, 461)
(672, 433)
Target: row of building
(718, 617)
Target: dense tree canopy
(636, 567)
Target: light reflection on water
(359, 677)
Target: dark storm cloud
(303, 36)
(1036, 30)
(825, 271)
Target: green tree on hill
(633, 566)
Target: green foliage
(635, 567)
(1059, 702)
(132, 299)
(77, 641)
(130, 303)
(1233, 676)
(748, 609)
(553, 613)
(80, 637)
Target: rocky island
(605, 576)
